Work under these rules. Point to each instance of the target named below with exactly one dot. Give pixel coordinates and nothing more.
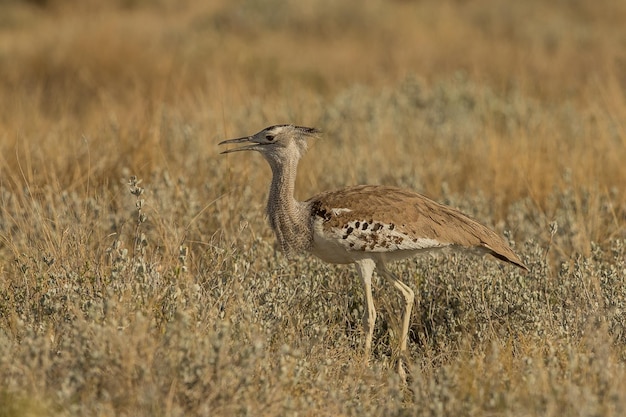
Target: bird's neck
(288, 217)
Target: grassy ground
(138, 276)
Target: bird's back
(394, 223)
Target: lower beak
(247, 139)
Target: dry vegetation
(166, 297)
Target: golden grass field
(171, 300)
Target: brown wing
(383, 218)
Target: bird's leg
(365, 268)
(409, 299)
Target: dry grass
(166, 296)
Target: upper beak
(245, 139)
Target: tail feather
(510, 258)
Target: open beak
(246, 139)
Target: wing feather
(386, 219)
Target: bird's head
(276, 143)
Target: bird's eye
(269, 137)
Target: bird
(364, 225)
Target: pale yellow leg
(409, 299)
(365, 268)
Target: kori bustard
(367, 225)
